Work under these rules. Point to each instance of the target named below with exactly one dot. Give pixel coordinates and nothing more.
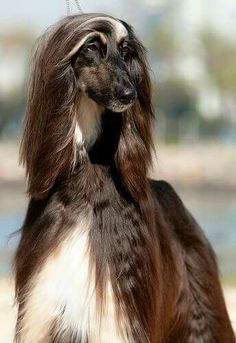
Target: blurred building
(12, 64)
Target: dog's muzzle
(126, 95)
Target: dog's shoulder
(177, 215)
(171, 204)
(165, 192)
(161, 186)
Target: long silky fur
(141, 240)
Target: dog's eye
(94, 46)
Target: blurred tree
(14, 44)
(175, 101)
(11, 112)
(162, 44)
(220, 57)
(18, 36)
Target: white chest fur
(64, 290)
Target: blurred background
(191, 47)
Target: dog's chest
(62, 297)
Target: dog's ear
(135, 146)
(48, 147)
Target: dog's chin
(113, 106)
(118, 107)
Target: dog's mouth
(117, 106)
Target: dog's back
(199, 311)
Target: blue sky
(42, 13)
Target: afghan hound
(106, 255)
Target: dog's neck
(104, 149)
(88, 126)
(97, 131)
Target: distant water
(215, 213)
(220, 228)
(9, 224)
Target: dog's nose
(127, 95)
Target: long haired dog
(106, 255)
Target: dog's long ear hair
(135, 146)
(48, 147)
(48, 144)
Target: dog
(106, 255)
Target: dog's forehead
(118, 27)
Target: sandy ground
(206, 165)
(8, 312)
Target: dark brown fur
(162, 268)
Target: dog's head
(84, 65)
(101, 61)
